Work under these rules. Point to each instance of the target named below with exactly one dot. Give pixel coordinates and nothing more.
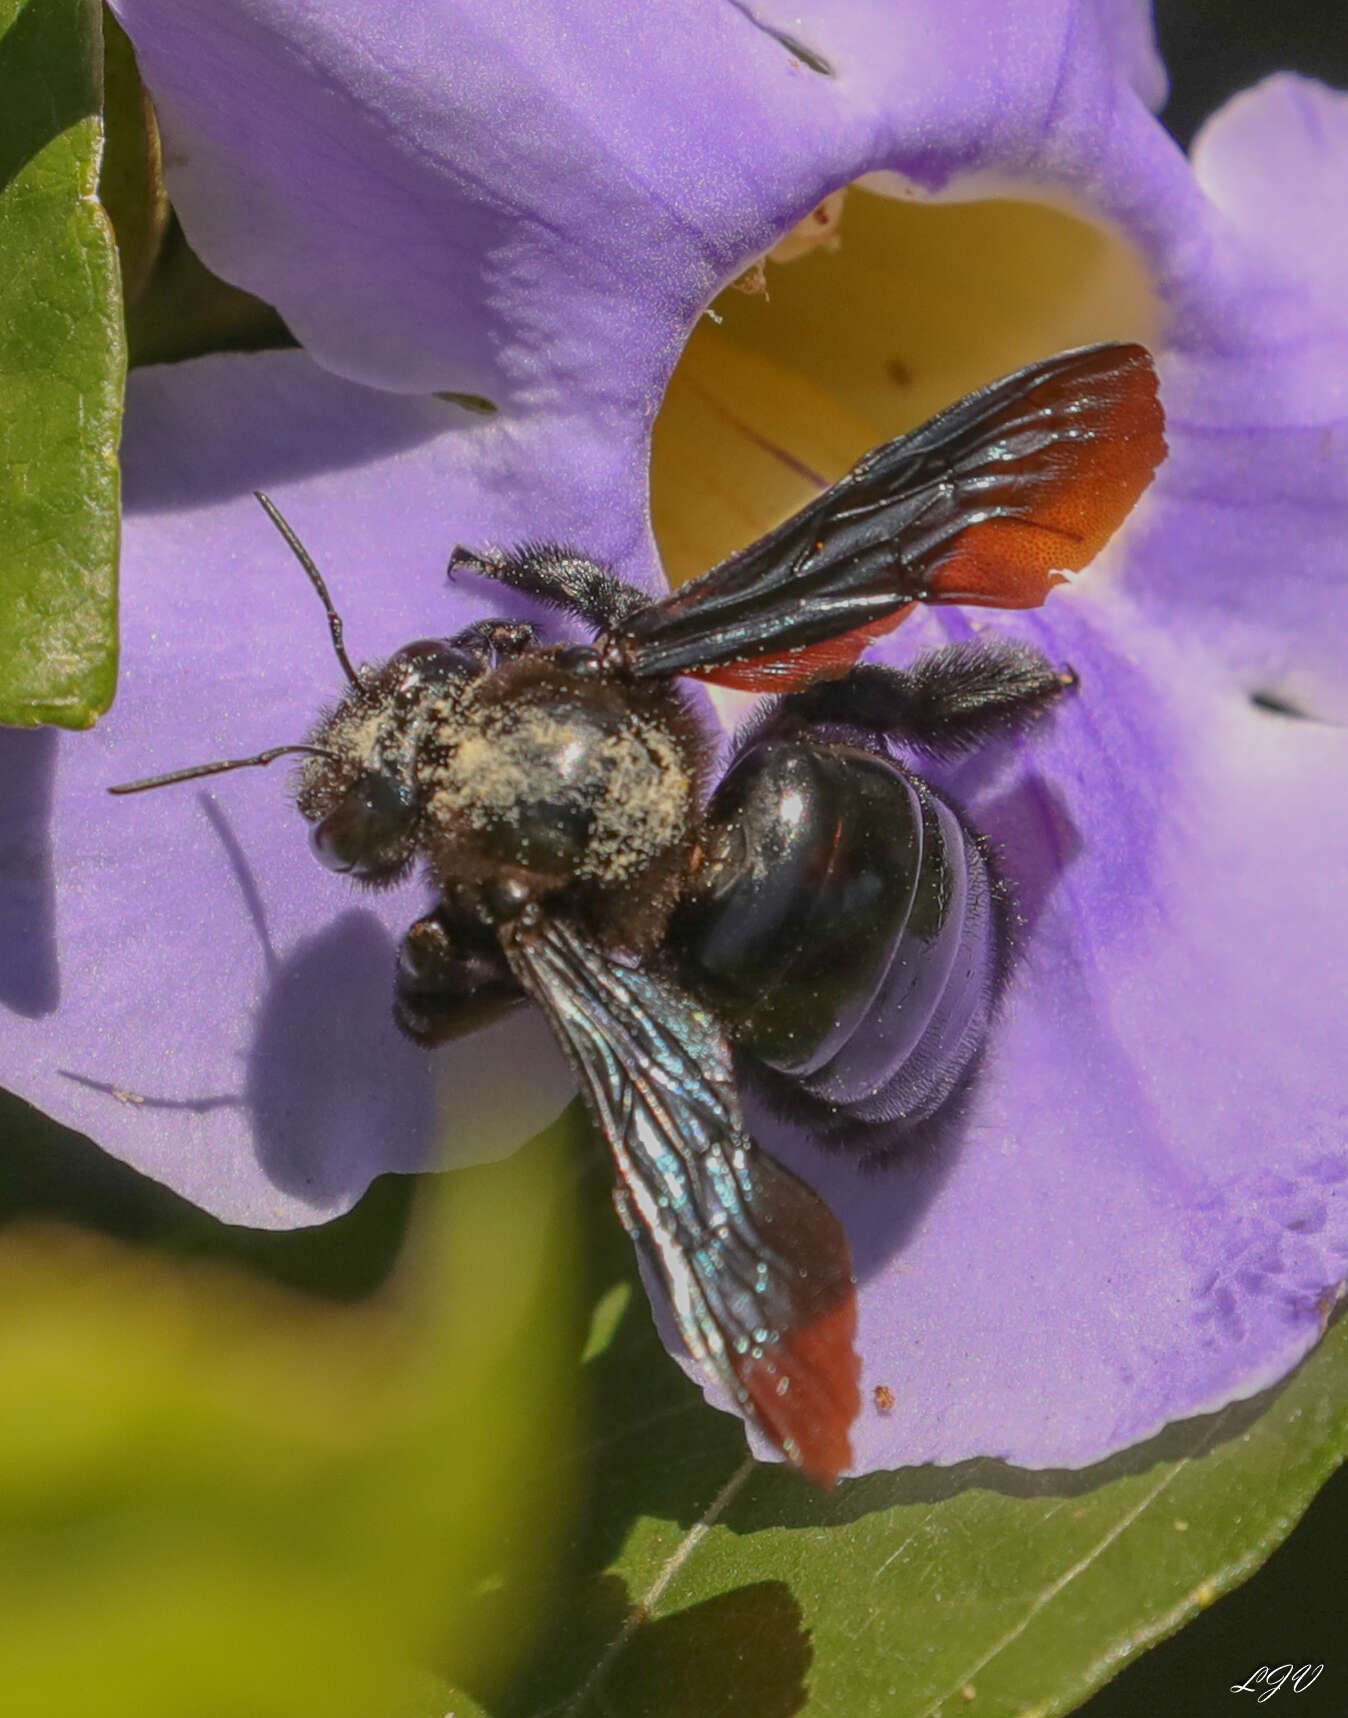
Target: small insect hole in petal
(798, 50)
(1277, 705)
(479, 404)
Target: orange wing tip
(1088, 481)
(805, 1392)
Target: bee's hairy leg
(948, 702)
(558, 576)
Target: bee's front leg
(560, 577)
(452, 979)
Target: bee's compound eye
(367, 833)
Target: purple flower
(1141, 1213)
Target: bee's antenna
(302, 555)
(214, 769)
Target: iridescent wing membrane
(991, 503)
(756, 1267)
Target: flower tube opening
(916, 304)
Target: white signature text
(1267, 1681)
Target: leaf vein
(1068, 1575)
(642, 1610)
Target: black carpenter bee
(825, 915)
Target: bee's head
(359, 786)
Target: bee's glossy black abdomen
(843, 926)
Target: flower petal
(181, 980)
(532, 201)
(1170, 1212)
(1131, 33)
(1244, 541)
(1272, 160)
(1142, 1212)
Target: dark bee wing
(991, 503)
(756, 1266)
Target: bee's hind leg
(948, 702)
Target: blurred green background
(248, 1475)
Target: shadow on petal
(304, 422)
(249, 892)
(1031, 817)
(777, 1499)
(336, 1095)
(30, 981)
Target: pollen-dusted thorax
(566, 781)
(538, 769)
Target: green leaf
(702, 1582)
(62, 364)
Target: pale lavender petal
(1273, 161)
(181, 980)
(1244, 537)
(531, 200)
(1143, 1212)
